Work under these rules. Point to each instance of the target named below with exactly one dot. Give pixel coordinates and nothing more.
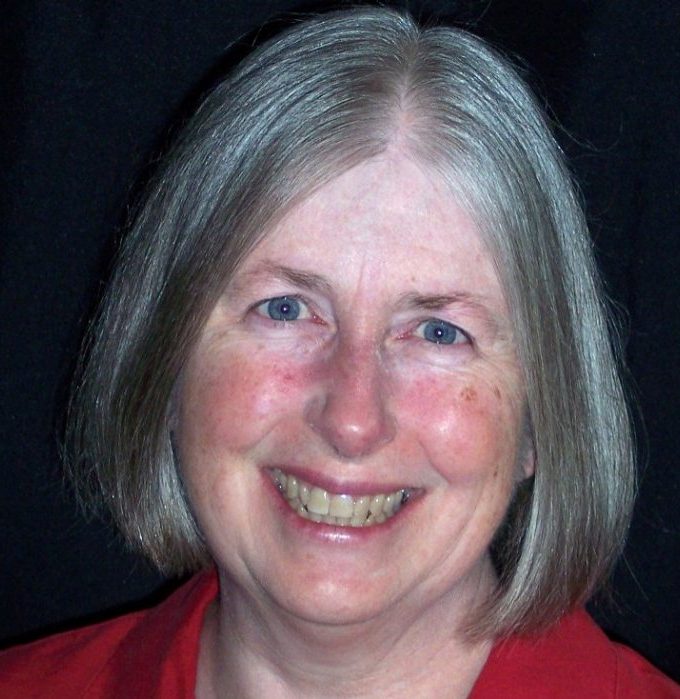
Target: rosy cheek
(465, 429)
(232, 404)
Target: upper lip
(338, 486)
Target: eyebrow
(436, 302)
(305, 280)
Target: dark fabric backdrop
(90, 91)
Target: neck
(251, 648)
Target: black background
(90, 93)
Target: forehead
(389, 221)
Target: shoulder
(572, 659)
(63, 662)
(132, 655)
(638, 678)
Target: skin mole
(468, 394)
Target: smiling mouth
(318, 505)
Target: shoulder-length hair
(325, 95)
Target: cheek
(468, 427)
(233, 402)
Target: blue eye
(440, 332)
(281, 308)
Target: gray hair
(325, 95)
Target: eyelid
(465, 338)
(260, 308)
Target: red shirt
(154, 653)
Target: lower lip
(329, 533)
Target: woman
(354, 359)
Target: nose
(350, 411)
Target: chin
(334, 602)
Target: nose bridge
(351, 411)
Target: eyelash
(299, 305)
(459, 336)
(264, 308)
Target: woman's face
(361, 361)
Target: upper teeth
(319, 505)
